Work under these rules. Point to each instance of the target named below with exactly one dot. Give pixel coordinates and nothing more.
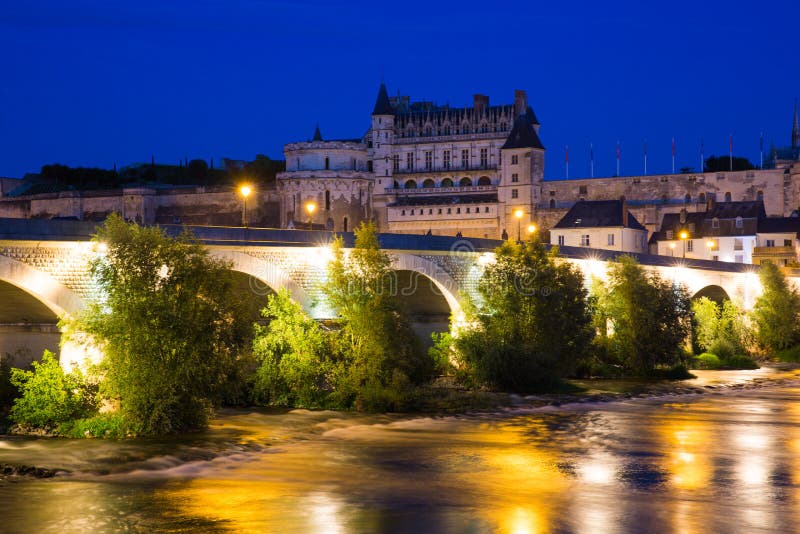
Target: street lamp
(245, 191)
(710, 244)
(672, 246)
(310, 207)
(531, 228)
(518, 213)
(684, 235)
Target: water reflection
(705, 464)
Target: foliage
(293, 356)
(104, 425)
(80, 177)
(533, 324)
(722, 330)
(643, 320)
(707, 360)
(441, 351)
(8, 391)
(169, 325)
(377, 353)
(789, 355)
(50, 396)
(723, 164)
(776, 313)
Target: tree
(378, 353)
(169, 326)
(293, 355)
(723, 164)
(649, 318)
(533, 324)
(776, 313)
(720, 329)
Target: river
(726, 461)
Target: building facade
(603, 224)
(428, 168)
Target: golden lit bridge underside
(44, 268)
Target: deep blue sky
(97, 82)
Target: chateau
(479, 172)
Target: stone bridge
(44, 273)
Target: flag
(673, 147)
(618, 150)
(566, 155)
(645, 148)
(591, 152)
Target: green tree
(169, 326)
(650, 318)
(722, 330)
(378, 353)
(533, 324)
(293, 355)
(723, 164)
(49, 396)
(776, 313)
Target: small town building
(603, 224)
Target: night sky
(94, 83)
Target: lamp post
(684, 235)
(672, 248)
(518, 213)
(531, 230)
(245, 191)
(710, 244)
(310, 207)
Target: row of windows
(447, 182)
(447, 159)
(439, 211)
(430, 131)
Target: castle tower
(380, 149)
(521, 170)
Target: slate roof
(701, 224)
(753, 209)
(523, 135)
(597, 214)
(382, 104)
(773, 225)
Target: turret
(382, 133)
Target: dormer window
(670, 235)
(715, 223)
(739, 222)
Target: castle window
(486, 209)
(344, 224)
(465, 158)
(760, 196)
(439, 211)
(430, 211)
(687, 198)
(467, 210)
(583, 190)
(447, 182)
(702, 197)
(297, 163)
(327, 200)
(458, 210)
(515, 193)
(428, 160)
(449, 210)
(428, 131)
(610, 240)
(690, 245)
(327, 163)
(446, 159)
(465, 182)
(403, 212)
(446, 130)
(412, 212)
(552, 203)
(396, 185)
(502, 126)
(728, 196)
(514, 177)
(396, 163)
(484, 157)
(410, 161)
(484, 180)
(515, 159)
(410, 184)
(715, 223)
(428, 183)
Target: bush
(8, 391)
(50, 396)
(707, 360)
(107, 425)
(739, 361)
(789, 355)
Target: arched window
(465, 128)
(502, 126)
(447, 182)
(687, 198)
(428, 131)
(327, 200)
(465, 182)
(484, 180)
(728, 196)
(396, 185)
(552, 203)
(344, 224)
(428, 183)
(327, 163)
(410, 184)
(760, 196)
(446, 130)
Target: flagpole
(645, 157)
(730, 153)
(761, 150)
(702, 156)
(591, 160)
(618, 158)
(567, 162)
(673, 155)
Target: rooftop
(598, 214)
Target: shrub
(8, 391)
(107, 425)
(739, 361)
(50, 396)
(789, 355)
(707, 360)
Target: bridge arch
(269, 273)
(442, 281)
(713, 292)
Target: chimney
(520, 102)
(480, 103)
(624, 212)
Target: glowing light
(518, 213)
(597, 473)
(487, 258)
(245, 190)
(710, 244)
(102, 248)
(684, 235)
(672, 246)
(310, 207)
(531, 228)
